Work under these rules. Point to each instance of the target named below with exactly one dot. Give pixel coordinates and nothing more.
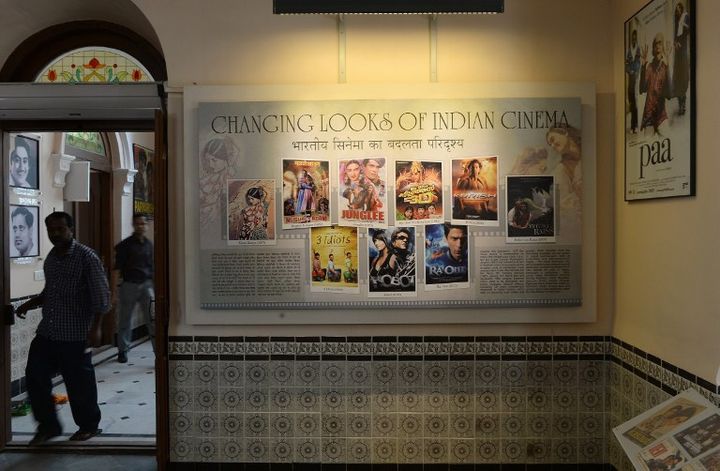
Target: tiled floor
(126, 394)
(10, 461)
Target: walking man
(134, 262)
(75, 297)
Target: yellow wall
(666, 250)
(244, 44)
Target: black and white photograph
(24, 162)
(24, 234)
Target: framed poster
(24, 233)
(143, 192)
(325, 146)
(24, 169)
(660, 101)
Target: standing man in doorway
(75, 297)
(134, 262)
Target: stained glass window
(94, 65)
(89, 141)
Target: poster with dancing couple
(418, 192)
(251, 212)
(659, 58)
(392, 262)
(474, 191)
(334, 259)
(306, 193)
(531, 213)
(361, 192)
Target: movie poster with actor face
(306, 193)
(392, 263)
(418, 192)
(531, 209)
(474, 191)
(334, 259)
(446, 256)
(251, 212)
(362, 199)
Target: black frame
(659, 147)
(33, 145)
(386, 6)
(35, 232)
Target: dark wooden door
(93, 227)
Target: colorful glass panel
(89, 141)
(94, 65)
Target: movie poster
(251, 212)
(306, 193)
(446, 256)
(418, 192)
(474, 191)
(660, 100)
(667, 419)
(662, 455)
(362, 198)
(143, 190)
(531, 213)
(391, 257)
(334, 259)
(701, 437)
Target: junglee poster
(362, 192)
(659, 101)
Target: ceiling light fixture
(389, 7)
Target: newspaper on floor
(682, 433)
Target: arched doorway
(97, 108)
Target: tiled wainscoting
(361, 403)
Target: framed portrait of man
(24, 169)
(24, 231)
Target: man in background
(134, 263)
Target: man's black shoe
(122, 357)
(42, 437)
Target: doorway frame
(156, 122)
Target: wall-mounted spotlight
(284, 7)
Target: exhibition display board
(340, 204)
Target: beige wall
(667, 258)
(244, 44)
(657, 263)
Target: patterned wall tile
(353, 400)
